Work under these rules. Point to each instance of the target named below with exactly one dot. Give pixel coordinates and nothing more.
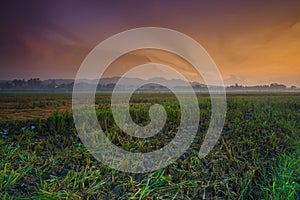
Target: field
(256, 157)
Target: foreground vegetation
(257, 156)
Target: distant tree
(110, 85)
(34, 83)
(52, 85)
(277, 86)
(19, 83)
(236, 86)
(7, 85)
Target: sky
(251, 42)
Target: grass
(24, 107)
(257, 156)
(285, 175)
(8, 177)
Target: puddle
(5, 133)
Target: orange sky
(255, 42)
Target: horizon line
(93, 79)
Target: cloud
(139, 57)
(255, 41)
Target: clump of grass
(70, 186)
(285, 183)
(60, 122)
(9, 176)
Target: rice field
(256, 157)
